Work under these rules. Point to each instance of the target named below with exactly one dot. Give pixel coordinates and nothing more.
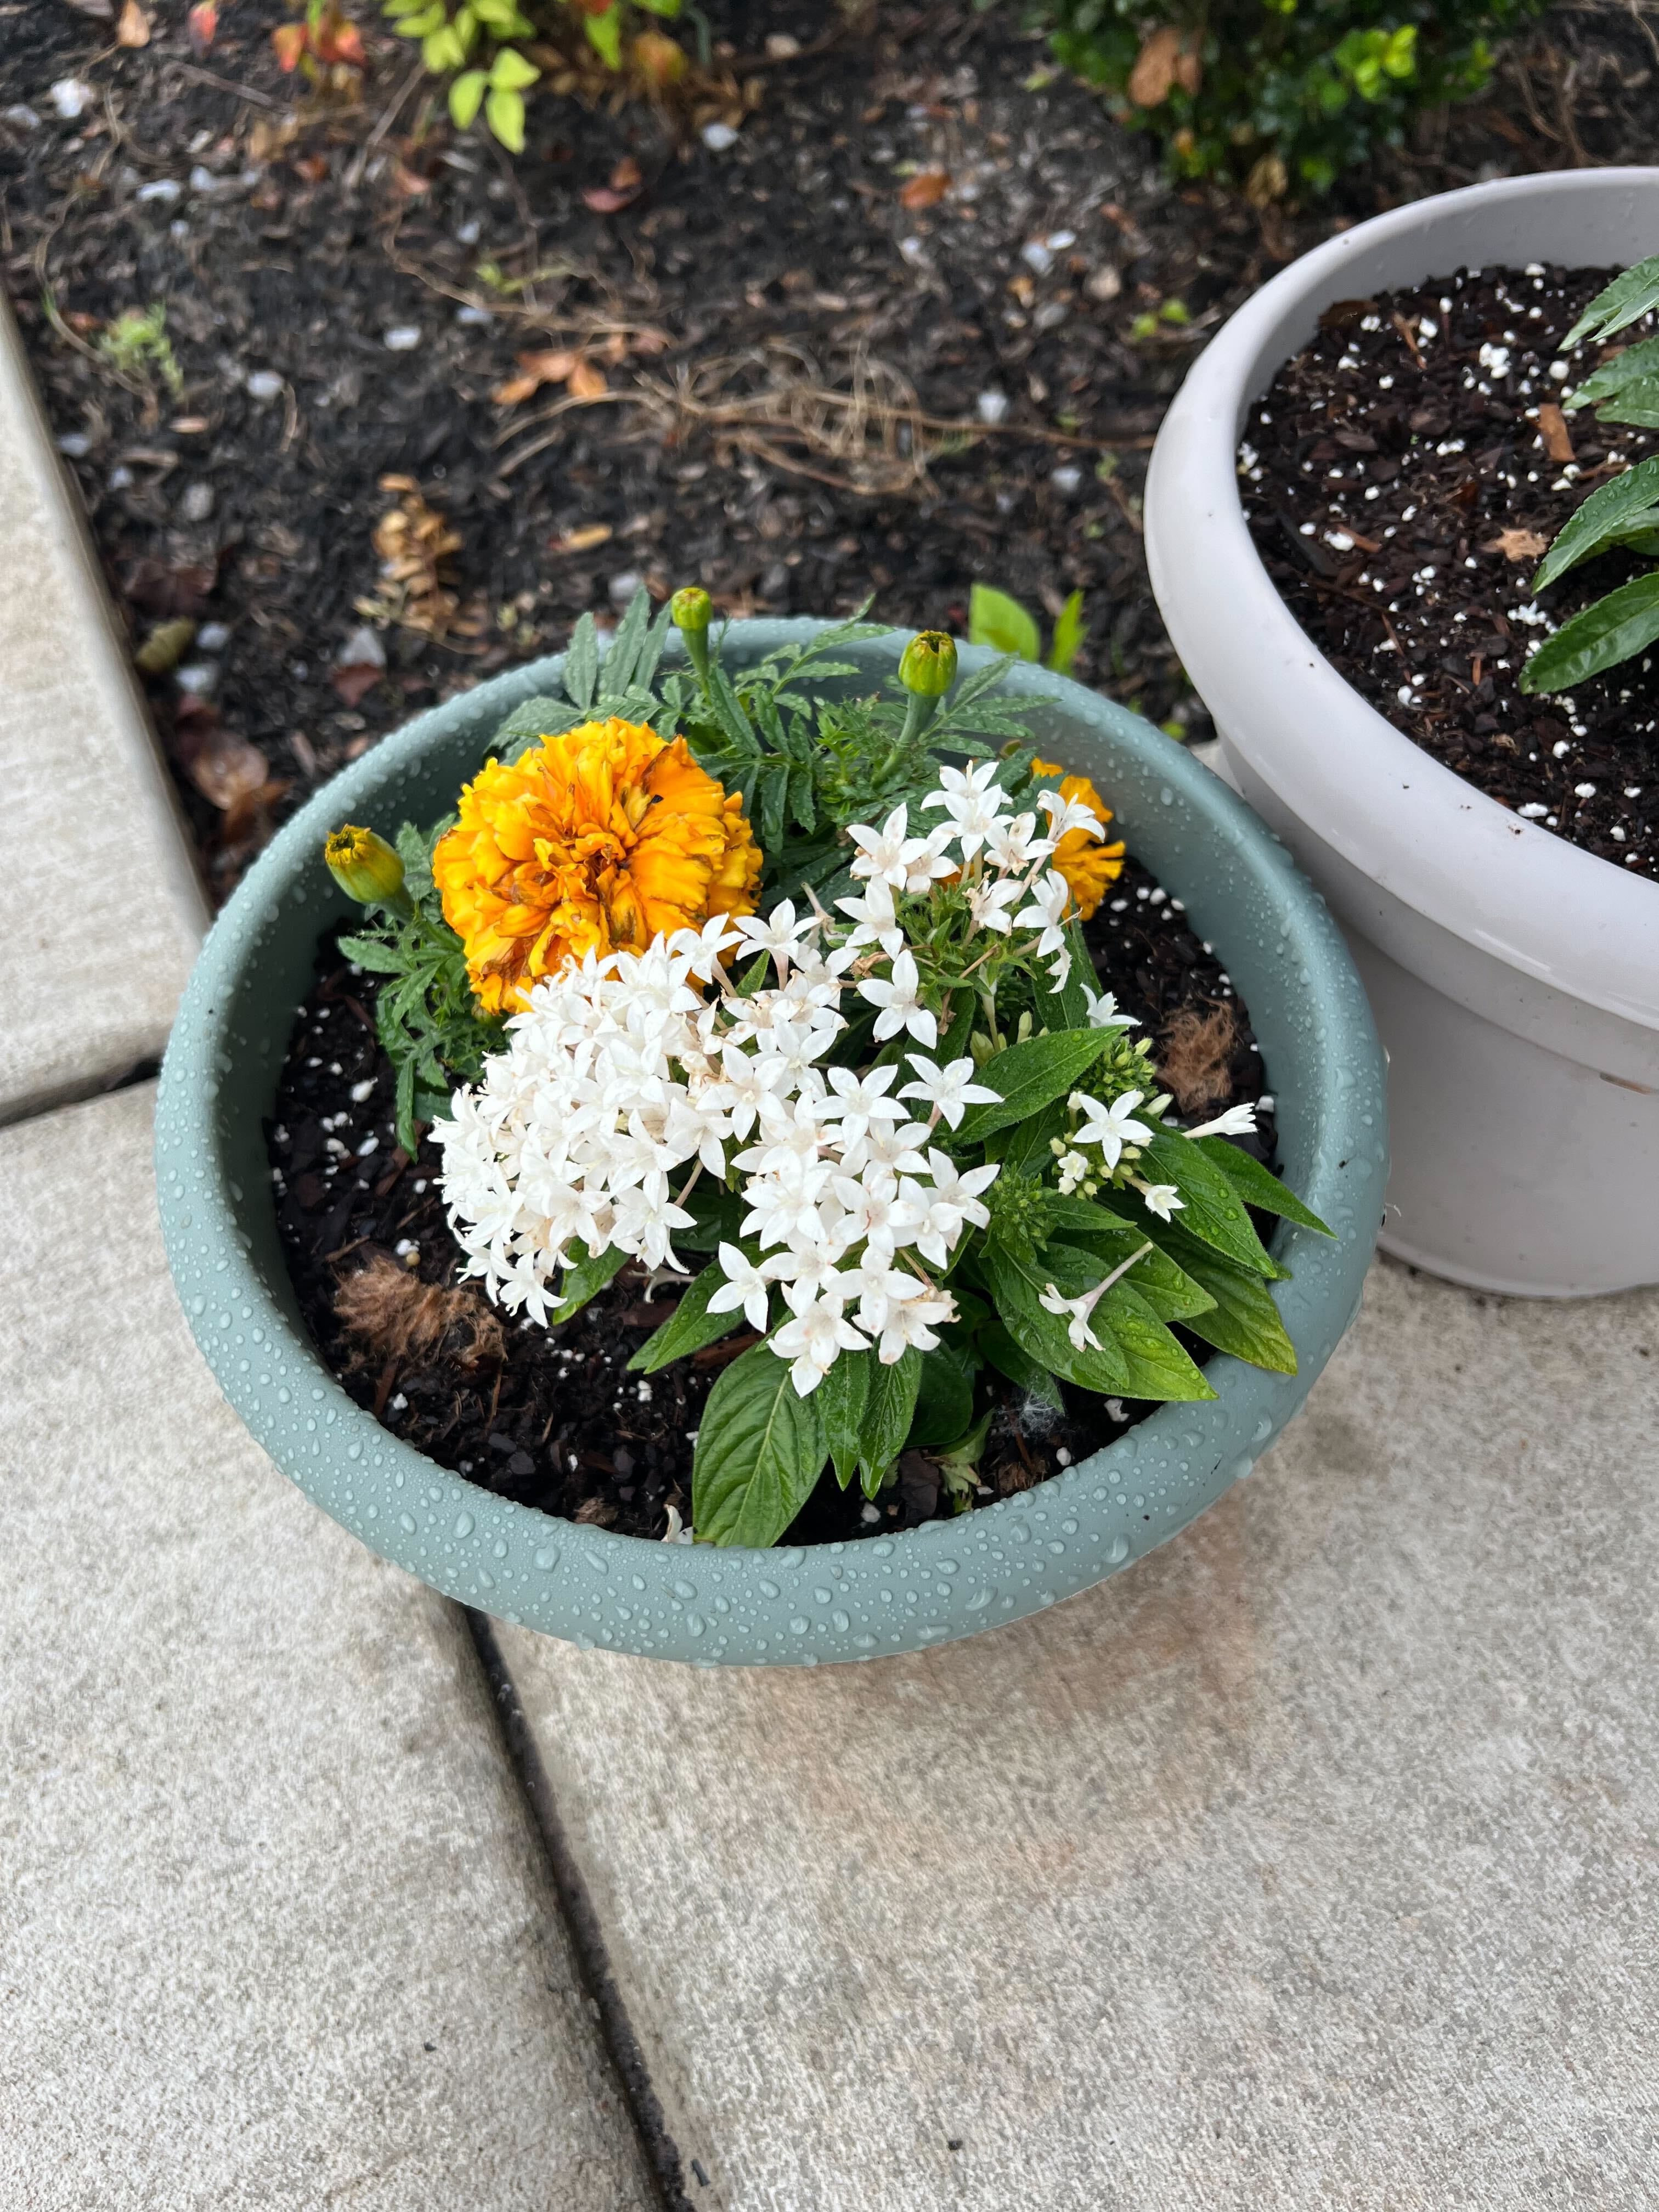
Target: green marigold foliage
(1283, 95)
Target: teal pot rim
(883, 1593)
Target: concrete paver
(1310, 1865)
(274, 1931)
(100, 910)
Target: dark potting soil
(917, 213)
(1402, 478)
(552, 1417)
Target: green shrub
(1282, 95)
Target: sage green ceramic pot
(836, 1601)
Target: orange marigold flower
(599, 838)
(1088, 864)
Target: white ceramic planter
(1514, 978)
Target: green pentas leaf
(760, 1451)
(1017, 1281)
(887, 1415)
(1625, 301)
(1030, 1075)
(843, 1396)
(1169, 1289)
(1257, 1185)
(1212, 1209)
(689, 1326)
(1242, 1317)
(604, 35)
(1626, 507)
(1614, 629)
(944, 1396)
(584, 1281)
(1158, 1367)
(1001, 622)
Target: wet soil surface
(1402, 478)
(552, 1417)
(753, 344)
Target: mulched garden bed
(1402, 486)
(552, 1417)
(346, 291)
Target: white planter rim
(1510, 887)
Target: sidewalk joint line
(582, 1923)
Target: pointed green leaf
(1624, 301)
(760, 1451)
(1632, 366)
(375, 954)
(581, 662)
(887, 1415)
(1070, 630)
(1212, 1209)
(1243, 1319)
(511, 72)
(689, 1326)
(1030, 1075)
(584, 1281)
(995, 620)
(1614, 629)
(1017, 1282)
(1625, 504)
(843, 1396)
(1257, 1185)
(505, 118)
(616, 669)
(944, 1398)
(1158, 1367)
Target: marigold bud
(365, 867)
(692, 608)
(929, 665)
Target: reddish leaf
(157, 589)
(223, 767)
(353, 682)
(924, 190)
(624, 187)
(202, 25)
(289, 41)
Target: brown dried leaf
(223, 767)
(583, 540)
(355, 680)
(536, 370)
(588, 381)
(1552, 430)
(132, 26)
(1517, 545)
(926, 189)
(1154, 75)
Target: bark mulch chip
(553, 1418)
(1402, 478)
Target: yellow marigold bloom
(1088, 864)
(597, 839)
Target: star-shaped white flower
(856, 1101)
(1111, 1126)
(948, 1091)
(1013, 846)
(1050, 895)
(1162, 1199)
(914, 1323)
(972, 800)
(1103, 1013)
(746, 1286)
(877, 920)
(949, 1204)
(777, 933)
(991, 900)
(900, 1007)
(1065, 814)
(890, 854)
(813, 1342)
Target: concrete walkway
(1310, 1864)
